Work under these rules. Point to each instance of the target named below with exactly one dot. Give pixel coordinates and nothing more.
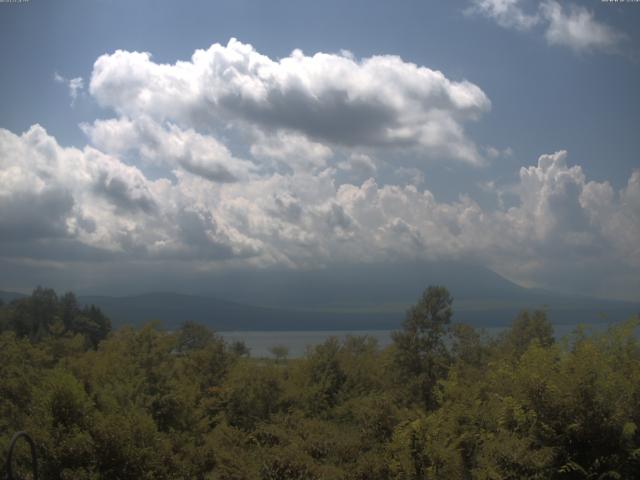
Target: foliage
(444, 401)
(44, 315)
(421, 356)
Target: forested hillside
(443, 401)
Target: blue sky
(542, 78)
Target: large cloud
(66, 204)
(52, 193)
(170, 145)
(334, 99)
(278, 163)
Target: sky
(153, 143)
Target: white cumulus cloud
(169, 145)
(332, 99)
(69, 204)
(277, 163)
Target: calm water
(298, 341)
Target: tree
(421, 355)
(280, 352)
(239, 348)
(33, 316)
(194, 336)
(324, 376)
(45, 315)
(69, 310)
(468, 346)
(526, 328)
(251, 394)
(93, 324)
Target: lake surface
(260, 342)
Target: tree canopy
(444, 401)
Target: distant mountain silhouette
(358, 285)
(363, 297)
(356, 297)
(172, 309)
(7, 297)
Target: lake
(259, 342)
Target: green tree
(93, 324)
(467, 345)
(527, 328)
(421, 356)
(250, 394)
(324, 377)
(239, 349)
(69, 310)
(33, 316)
(43, 315)
(280, 352)
(193, 336)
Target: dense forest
(443, 401)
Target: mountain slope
(364, 297)
(173, 309)
(8, 297)
(353, 298)
(360, 285)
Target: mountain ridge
(365, 297)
